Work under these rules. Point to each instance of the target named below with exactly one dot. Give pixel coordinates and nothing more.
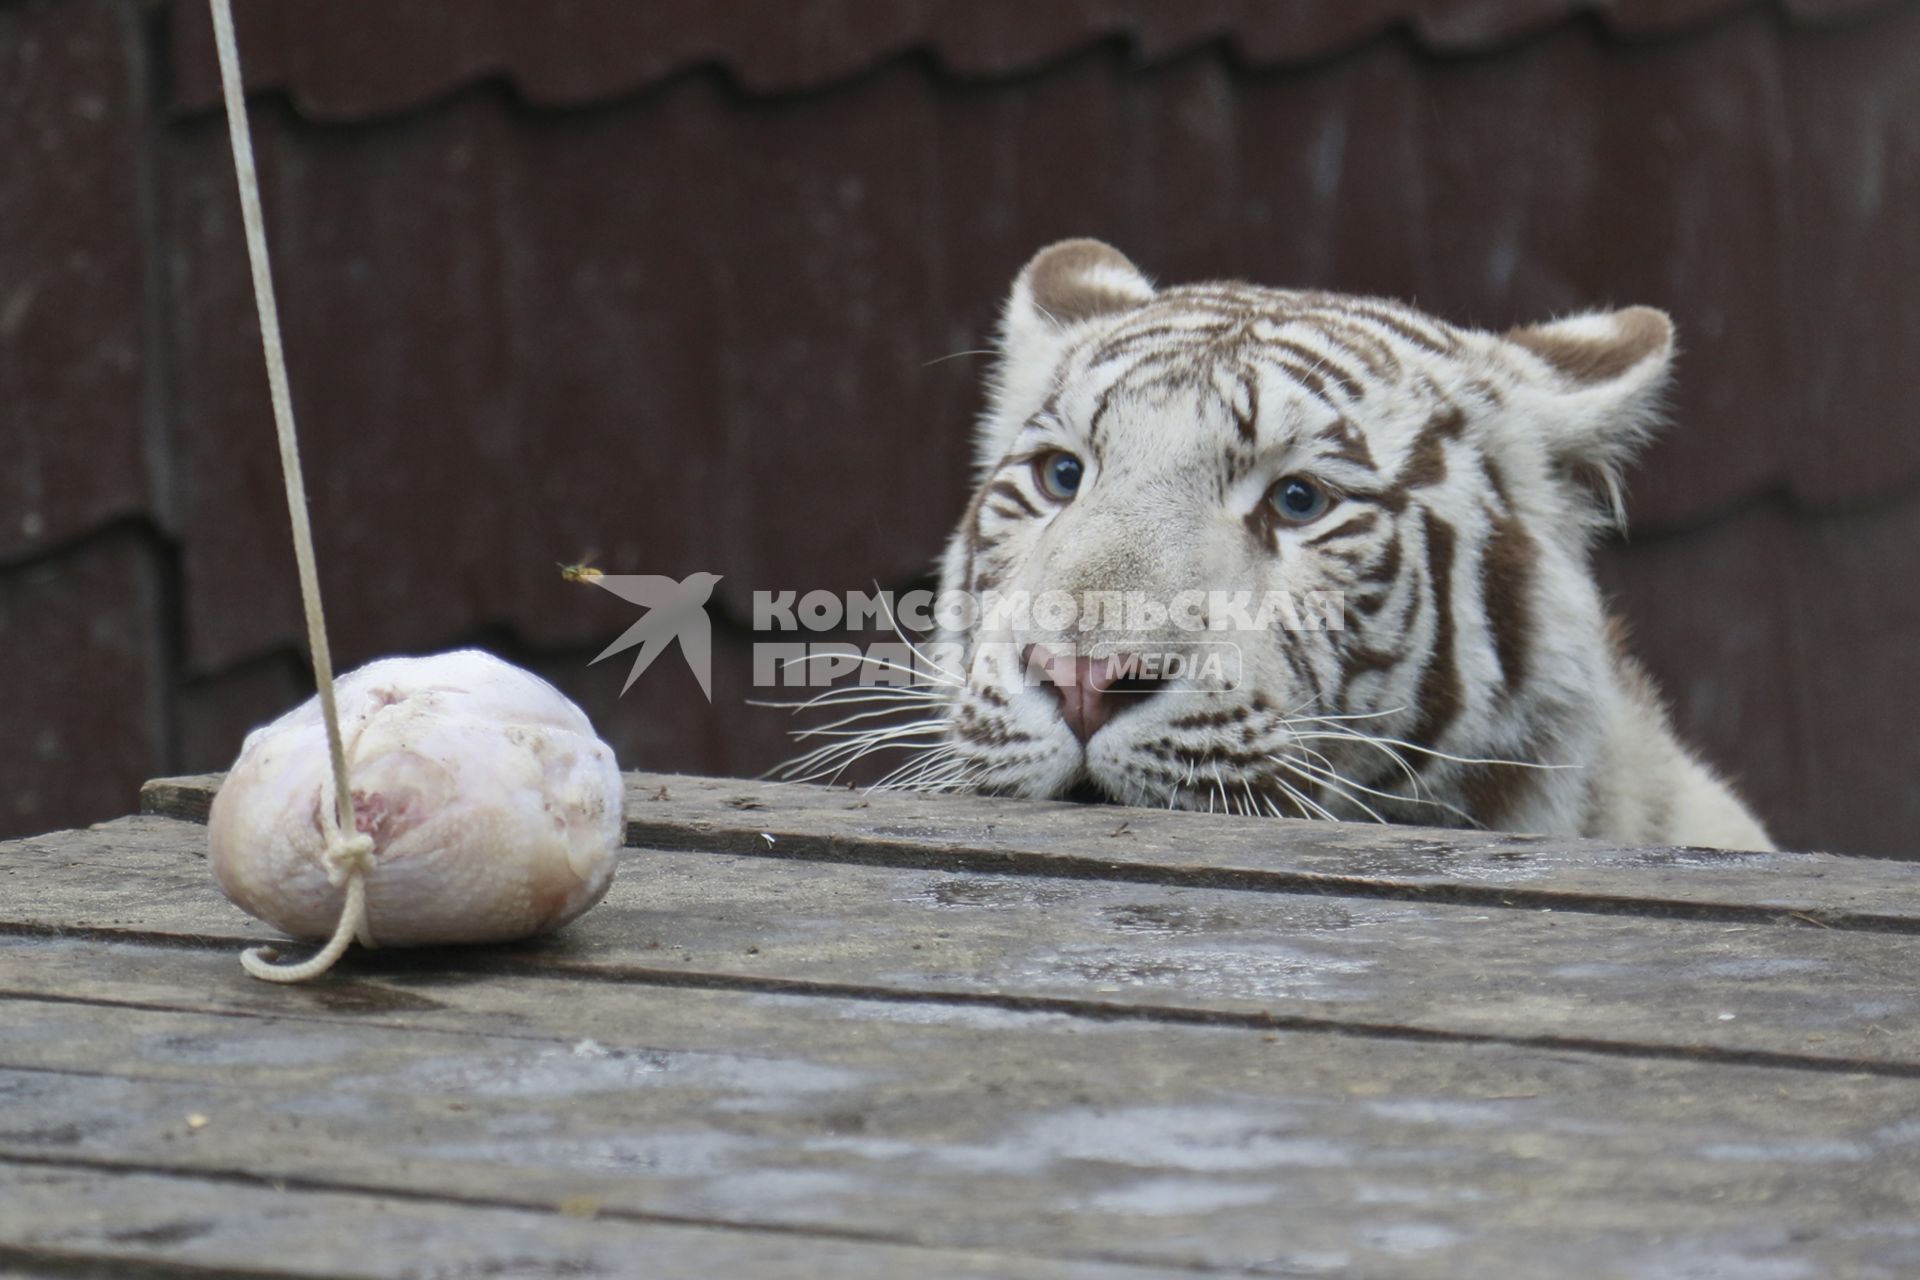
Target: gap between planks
(1054, 1071)
(28, 1262)
(710, 906)
(705, 1233)
(716, 815)
(420, 1195)
(547, 969)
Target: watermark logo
(1130, 638)
(675, 611)
(1206, 666)
(1090, 612)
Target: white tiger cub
(1212, 445)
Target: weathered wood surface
(1837, 999)
(1201, 1147)
(929, 1037)
(120, 1225)
(675, 811)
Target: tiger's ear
(1065, 285)
(1595, 386)
(1072, 281)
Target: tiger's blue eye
(1298, 500)
(1058, 475)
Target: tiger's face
(1285, 552)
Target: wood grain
(1021, 837)
(64, 1219)
(83, 647)
(963, 1037)
(920, 1122)
(1829, 999)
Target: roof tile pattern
(720, 314)
(576, 52)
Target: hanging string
(349, 854)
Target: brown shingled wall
(665, 280)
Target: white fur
(1160, 510)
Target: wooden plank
(57, 1220)
(1023, 837)
(1823, 999)
(76, 366)
(424, 253)
(83, 721)
(428, 52)
(945, 1126)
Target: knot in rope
(347, 855)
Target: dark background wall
(672, 282)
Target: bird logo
(675, 611)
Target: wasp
(582, 572)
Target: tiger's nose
(1091, 690)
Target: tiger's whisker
(1334, 778)
(1434, 752)
(1332, 782)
